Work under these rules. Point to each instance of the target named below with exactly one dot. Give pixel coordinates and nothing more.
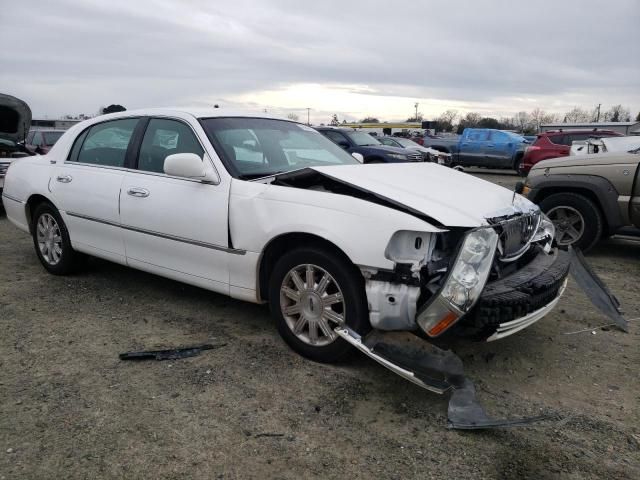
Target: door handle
(138, 192)
(64, 178)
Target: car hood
(386, 148)
(15, 118)
(452, 198)
(609, 158)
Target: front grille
(415, 157)
(516, 233)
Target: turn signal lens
(443, 324)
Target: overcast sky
(353, 58)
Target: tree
(539, 117)
(522, 121)
(617, 113)
(113, 109)
(334, 120)
(577, 115)
(293, 116)
(370, 120)
(446, 119)
(415, 119)
(489, 122)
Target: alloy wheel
(569, 224)
(312, 304)
(49, 239)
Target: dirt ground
(69, 408)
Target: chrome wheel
(49, 239)
(312, 304)
(569, 224)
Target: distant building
(57, 124)
(626, 128)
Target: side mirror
(189, 165)
(358, 156)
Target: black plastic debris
(596, 290)
(169, 354)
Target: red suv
(557, 143)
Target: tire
(51, 241)
(343, 285)
(562, 208)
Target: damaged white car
(269, 210)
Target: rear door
(86, 187)
(472, 148)
(498, 150)
(176, 227)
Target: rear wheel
(51, 241)
(577, 219)
(311, 292)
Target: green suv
(588, 197)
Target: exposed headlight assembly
(464, 283)
(546, 230)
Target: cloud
(353, 58)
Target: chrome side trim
(175, 238)
(6, 195)
(353, 338)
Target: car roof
(197, 112)
(574, 131)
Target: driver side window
(164, 137)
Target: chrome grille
(415, 157)
(516, 234)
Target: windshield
(259, 147)
(362, 139)
(405, 142)
(50, 138)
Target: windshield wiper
(254, 175)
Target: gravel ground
(253, 408)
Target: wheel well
(547, 192)
(32, 203)
(283, 244)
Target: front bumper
(516, 301)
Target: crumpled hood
(15, 118)
(453, 198)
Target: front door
(86, 188)
(176, 227)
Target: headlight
(397, 156)
(463, 285)
(546, 229)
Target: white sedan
(268, 210)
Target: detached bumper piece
(520, 299)
(431, 368)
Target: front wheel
(577, 219)
(311, 292)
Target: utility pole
(416, 117)
(308, 123)
(598, 117)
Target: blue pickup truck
(482, 147)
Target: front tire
(577, 219)
(312, 291)
(51, 241)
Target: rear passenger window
(105, 143)
(558, 139)
(165, 137)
